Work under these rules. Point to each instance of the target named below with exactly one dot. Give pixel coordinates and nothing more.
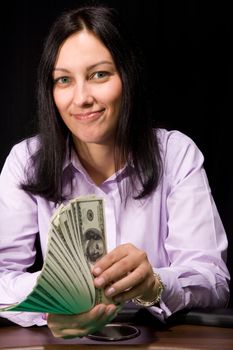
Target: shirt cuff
(172, 298)
(25, 319)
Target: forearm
(191, 288)
(14, 287)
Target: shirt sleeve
(196, 242)
(18, 230)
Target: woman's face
(87, 89)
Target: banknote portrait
(95, 245)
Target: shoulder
(173, 138)
(19, 156)
(25, 148)
(173, 142)
(179, 152)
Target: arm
(18, 229)
(196, 243)
(195, 273)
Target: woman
(166, 242)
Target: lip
(91, 115)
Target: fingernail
(101, 310)
(110, 312)
(97, 270)
(99, 281)
(110, 291)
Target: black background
(187, 47)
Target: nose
(82, 95)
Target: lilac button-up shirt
(178, 226)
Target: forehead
(82, 48)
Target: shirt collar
(72, 159)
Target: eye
(99, 75)
(62, 80)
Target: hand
(70, 326)
(125, 273)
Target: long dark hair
(135, 139)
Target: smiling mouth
(88, 115)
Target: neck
(98, 160)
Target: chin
(100, 140)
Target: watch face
(115, 332)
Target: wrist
(158, 290)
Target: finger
(58, 322)
(93, 316)
(69, 326)
(125, 275)
(102, 315)
(131, 293)
(133, 279)
(120, 267)
(115, 272)
(69, 333)
(109, 259)
(91, 327)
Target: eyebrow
(89, 68)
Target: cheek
(113, 94)
(118, 92)
(61, 98)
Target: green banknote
(76, 240)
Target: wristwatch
(156, 299)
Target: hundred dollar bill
(90, 214)
(76, 240)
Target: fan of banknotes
(76, 240)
